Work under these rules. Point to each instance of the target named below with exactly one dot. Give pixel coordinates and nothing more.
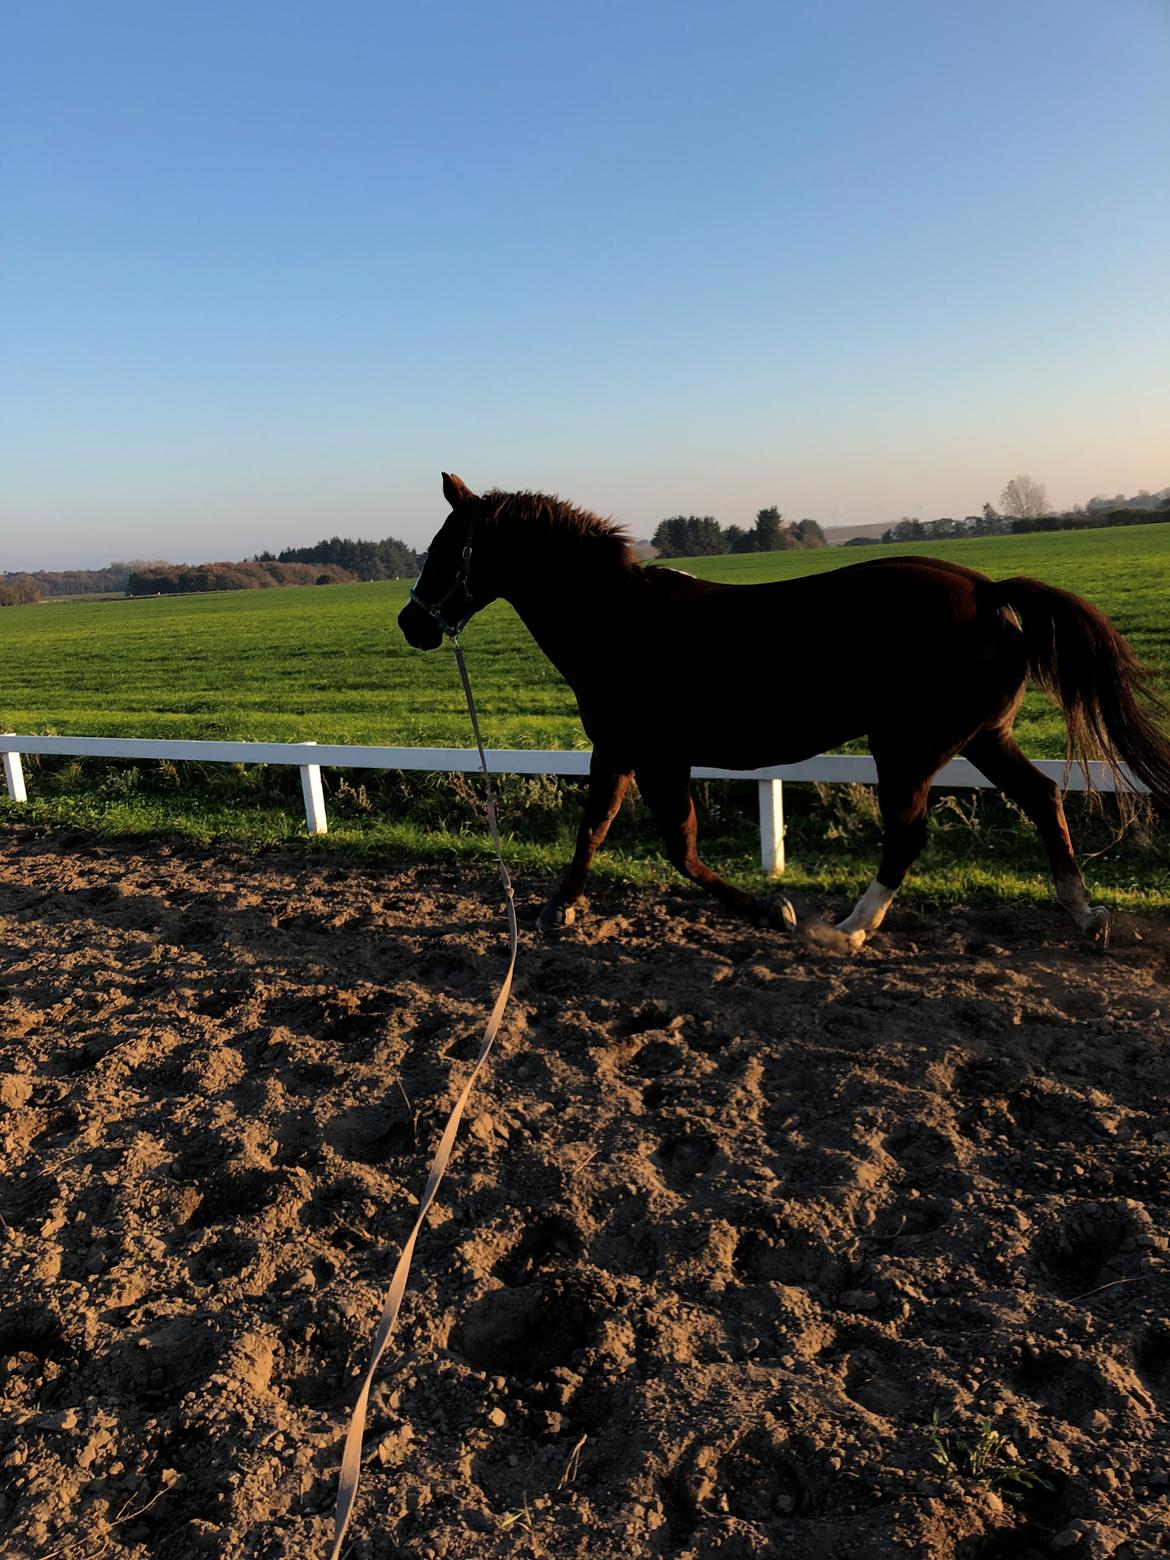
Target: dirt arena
(731, 1221)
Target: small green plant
(521, 1521)
(986, 1459)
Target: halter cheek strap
(437, 610)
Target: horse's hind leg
(998, 755)
(667, 793)
(607, 789)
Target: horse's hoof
(1098, 924)
(849, 938)
(555, 917)
(831, 939)
(776, 910)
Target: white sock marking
(868, 913)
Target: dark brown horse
(925, 659)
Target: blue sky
(267, 268)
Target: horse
(925, 659)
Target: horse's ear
(455, 491)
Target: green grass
(331, 665)
(271, 665)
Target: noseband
(437, 610)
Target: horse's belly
(761, 749)
(738, 734)
(733, 721)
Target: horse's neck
(578, 617)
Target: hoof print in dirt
(755, 1482)
(1152, 1359)
(549, 1240)
(686, 1157)
(226, 1256)
(778, 1255)
(373, 1134)
(33, 1331)
(759, 1480)
(1092, 1244)
(235, 1195)
(526, 1332)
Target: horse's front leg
(607, 788)
(667, 793)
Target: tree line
(174, 579)
(1024, 508)
(19, 587)
(701, 536)
(332, 560)
(389, 559)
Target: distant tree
(772, 534)
(689, 536)
(1024, 498)
(940, 530)
(669, 536)
(907, 529)
(1140, 500)
(18, 590)
(810, 534)
(388, 559)
(992, 520)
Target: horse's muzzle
(419, 629)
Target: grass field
(329, 664)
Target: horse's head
(451, 587)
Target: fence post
(14, 777)
(315, 820)
(771, 826)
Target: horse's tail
(1076, 655)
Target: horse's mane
(561, 521)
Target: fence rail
(311, 757)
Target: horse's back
(879, 599)
(844, 653)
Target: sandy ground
(730, 1222)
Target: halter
(437, 609)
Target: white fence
(310, 758)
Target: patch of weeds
(349, 798)
(848, 813)
(987, 1459)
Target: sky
(267, 269)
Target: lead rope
(351, 1457)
